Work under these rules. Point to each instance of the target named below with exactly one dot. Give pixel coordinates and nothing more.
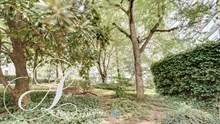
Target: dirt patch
(156, 115)
(77, 91)
(112, 120)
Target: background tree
(141, 24)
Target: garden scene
(109, 62)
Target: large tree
(55, 28)
(146, 21)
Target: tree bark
(218, 8)
(19, 59)
(137, 53)
(117, 63)
(35, 64)
(102, 72)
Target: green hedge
(193, 74)
(10, 77)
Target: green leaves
(130, 109)
(55, 11)
(193, 74)
(88, 110)
(188, 115)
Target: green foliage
(9, 102)
(88, 110)
(174, 103)
(193, 12)
(130, 109)
(10, 77)
(117, 87)
(193, 74)
(119, 91)
(84, 84)
(70, 31)
(122, 80)
(110, 86)
(187, 115)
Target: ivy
(188, 115)
(192, 74)
(88, 110)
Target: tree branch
(121, 30)
(10, 90)
(123, 9)
(152, 31)
(167, 30)
(119, 6)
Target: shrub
(42, 81)
(122, 80)
(110, 86)
(193, 74)
(84, 84)
(10, 77)
(117, 87)
(188, 115)
(120, 91)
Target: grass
(32, 87)
(147, 91)
(103, 92)
(2, 88)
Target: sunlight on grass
(101, 92)
(32, 87)
(147, 91)
(2, 88)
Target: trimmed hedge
(192, 74)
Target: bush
(117, 87)
(119, 91)
(193, 74)
(84, 84)
(122, 80)
(10, 77)
(188, 115)
(110, 86)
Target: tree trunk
(137, 53)
(218, 8)
(35, 65)
(101, 65)
(104, 77)
(102, 73)
(57, 70)
(19, 59)
(117, 62)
